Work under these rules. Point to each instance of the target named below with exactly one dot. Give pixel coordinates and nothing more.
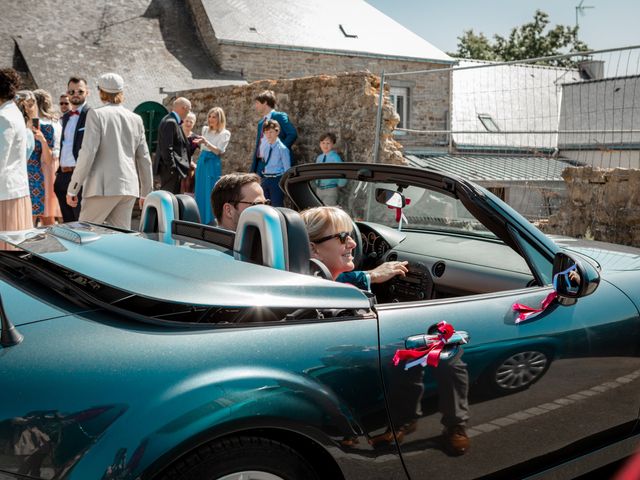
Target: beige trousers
(113, 210)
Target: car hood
(185, 274)
(609, 256)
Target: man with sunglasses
(73, 123)
(65, 104)
(232, 194)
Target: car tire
(517, 371)
(242, 458)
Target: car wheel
(242, 458)
(518, 371)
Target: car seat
(160, 209)
(188, 208)
(274, 237)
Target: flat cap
(111, 83)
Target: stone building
(345, 104)
(283, 39)
(164, 46)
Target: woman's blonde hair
(320, 219)
(222, 119)
(22, 96)
(45, 104)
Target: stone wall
(345, 104)
(602, 204)
(428, 93)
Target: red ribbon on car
(525, 312)
(398, 210)
(429, 354)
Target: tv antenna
(580, 11)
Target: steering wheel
(357, 251)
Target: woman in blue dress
(213, 143)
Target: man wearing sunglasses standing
(73, 123)
(65, 104)
(232, 194)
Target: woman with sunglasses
(329, 230)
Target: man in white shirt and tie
(72, 135)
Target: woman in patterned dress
(41, 153)
(52, 131)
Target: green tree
(526, 41)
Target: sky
(609, 24)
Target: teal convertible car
(184, 350)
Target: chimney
(591, 69)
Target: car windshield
(423, 209)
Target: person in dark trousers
(265, 104)
(171, 163)
(72, 135)
(275, 160)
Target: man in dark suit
(171, 163)
(72, 135)
(265, 104)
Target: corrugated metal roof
(519, 97)
(487, 168)
(328, 25)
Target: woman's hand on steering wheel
(387, 271)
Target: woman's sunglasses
(342, 236)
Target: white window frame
(399, 97)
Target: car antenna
(9, 336)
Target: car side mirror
(572, 277)
(390, 198)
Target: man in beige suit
(113, 167)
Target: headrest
(159, 210)
(298, 248)
(260, 237)
(187, 208)
(274, 237)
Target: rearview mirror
(390, 198)
(574, 278)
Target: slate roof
(494, 168)
(518, 97)
(152, 44)
(610, 104)
(322, 25)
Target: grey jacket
(114, 158)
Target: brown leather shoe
(456, 440)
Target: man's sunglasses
(342, 236)
(64, 103)
(266, 202)
(79, 92)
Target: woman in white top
(15, 201)
(52, 131)
(213, 143)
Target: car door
(538, 391)
(578, 395)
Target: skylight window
(343, 29)
(488, 122)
